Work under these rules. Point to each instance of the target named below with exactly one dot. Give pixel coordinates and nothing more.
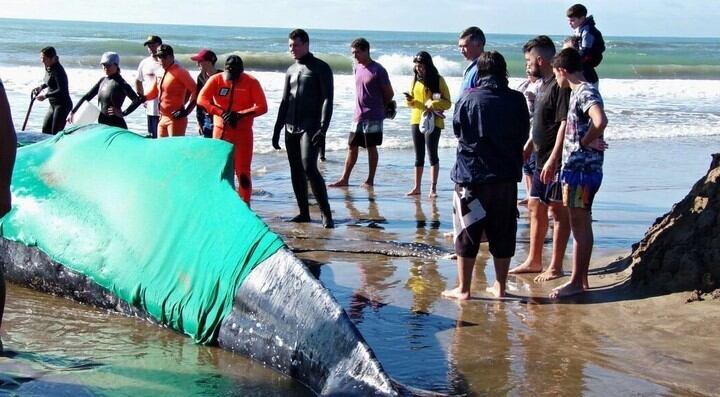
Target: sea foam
(637, 109)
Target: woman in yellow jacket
(428, 93)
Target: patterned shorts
(579, 188)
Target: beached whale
(155, 229)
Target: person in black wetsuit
(57, 93)
(305, 113)
(111, 91)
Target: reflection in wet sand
(61, 348)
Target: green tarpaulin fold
(156, 222)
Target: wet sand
(607, 342)
(386, 263)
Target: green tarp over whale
(156, 222)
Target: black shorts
(366, 133)
(547, 193)
(529, 166)
(491, 208)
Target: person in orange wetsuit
(235, 98)
(174, 89)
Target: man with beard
(548, 129)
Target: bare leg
(538, 230)
(350, 161)
(465, 270)
(561, 234)
(528, 185)
(580, 223)
(418, 179)
(501, 271)
(434, 170)
(372, 163)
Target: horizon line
(341, 29)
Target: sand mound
(681, 251)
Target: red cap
(205, 55)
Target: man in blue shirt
(471, 44)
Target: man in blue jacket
(492, 124)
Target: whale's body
(155, 229)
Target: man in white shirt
(147, 73)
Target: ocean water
(653, 87)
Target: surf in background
(653, 87)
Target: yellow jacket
(421, 96)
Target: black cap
(164, 50)
(153, 40)
(233, 62)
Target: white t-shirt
(148, 73)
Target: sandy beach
(386, 263)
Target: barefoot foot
(456, 294)
(339, 183)
(413, 192)
(548, 275)
(496, 291)
(432, 194)
(565, 290)
(526, 267)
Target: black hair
(577, 11)
(299, 34)
(361, 44)
(165, 50)
(573, 40)
(49, 52)
(543, 45)
(492, 63)
(234, 63)
(432, 76)
(568, 59)
(475, 34)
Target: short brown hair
(475, 34)
(299, 34)
(361, 44)
(577, 11)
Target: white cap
(109, 58)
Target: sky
(689, 18)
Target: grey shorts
(366, 133)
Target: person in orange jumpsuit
(235, 98)
(174, 89)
